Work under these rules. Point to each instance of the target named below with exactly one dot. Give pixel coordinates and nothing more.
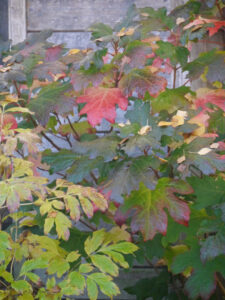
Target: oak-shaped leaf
(101, 103)
(147, 207)
(142, 81)
(55, 97)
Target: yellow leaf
(144, 130)
(204, 151)
(181, 159)
(73, 51)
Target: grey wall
(70, 19)
(4, 19)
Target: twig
(174, 77)
(73, 129)
(23, 204)
(88, 225)
(220, 284)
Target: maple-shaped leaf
(54, 97)
(105, 147)
(210, 63)
(207, 96)
(199, 158)
(142, 81)
(202, 272)
(126, 177)
(155, 20)
(101, 103)
(196, 24)
(53, 53)
(81, 80)
(171, 100)
(137, 52)
(150, 216)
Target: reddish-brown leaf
(53, 53)
(142, 81)
(101, 103)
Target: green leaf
(155, 20)
(62, 224)
(213, 246)
(92, 289)
(202, 280)
(72, 256)
(107, 287)
(105, 147)
(77, 280)
(33, 277)
(49, 223)
(140, 113)
(211, 62)
(176, 54)
(123, 247)
(126, 177)
(21, 286)
(85, 268)
(58, 266)
(105, 264)
(100, 30)
(32, 264)
(208, 190)
(171, 100)
(93, 243)
(150, 216)
(59, 161)
(81, 128)
(54, 97)
(156, 287)
(82, 167)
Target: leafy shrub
(154, 179)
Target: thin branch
(220, 284)
(73, 129)
(174, 77)
(88, 225)
(186, 82)
(23, 204)
(219, 9)
(66, 137)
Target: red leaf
(216, 97)
(53, 53)
(101, 103)
(142, 81)
(9, 119)
(202, 21)
(150, 216)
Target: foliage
(100, 138)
